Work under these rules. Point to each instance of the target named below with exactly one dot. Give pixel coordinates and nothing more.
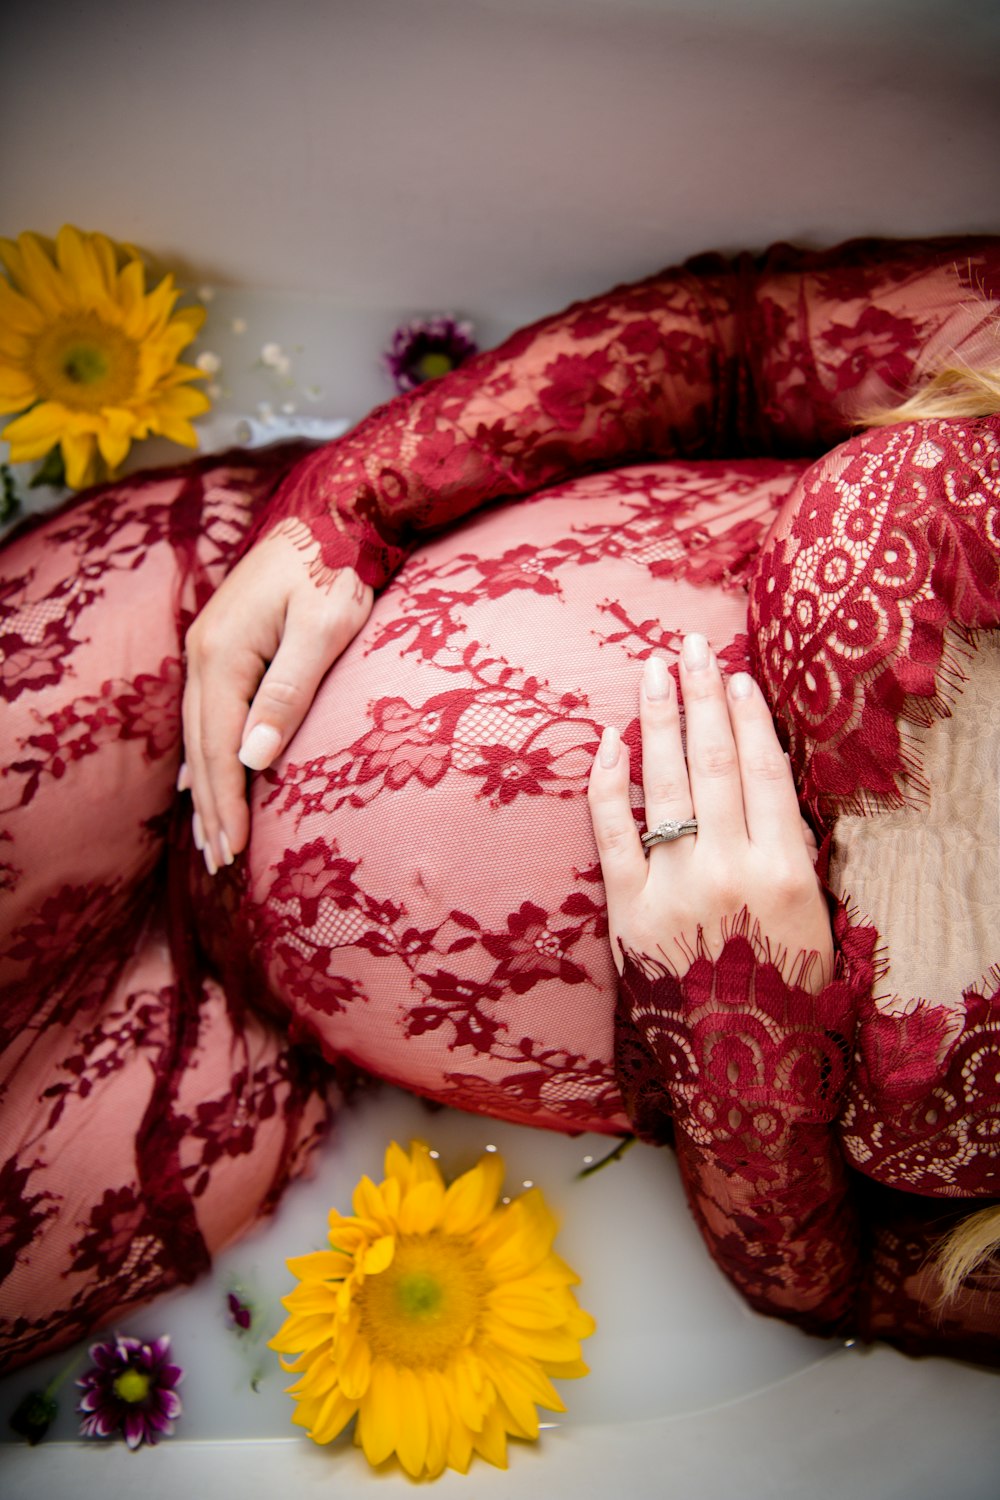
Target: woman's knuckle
(789, 880)
(766, 765)
(716, 760)
(667, 789)
(283, 695)
(614, 838)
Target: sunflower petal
(420, 1210)
(19, 314)
(312, 1297)
(368, 1203)
(413, 1426)
(519, 1241)
(356, 1369)
(79, 451)
(379, 1256)
(472, 1197)
(506, 1368)
(439, 1422)
(332, 1417)
(459, 1447)
(17, 389)
(536, 1343)
(530, 1306)
(81, 267)
(41, 280)
(320, 1265)
(301, 1331)
(491, 1442)
(573, 1369)
(32, 435)
(378, 1413)
(114, 437)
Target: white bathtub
(690, 1393)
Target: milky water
(672, 1335)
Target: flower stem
(619, 1151)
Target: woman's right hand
(751, 852)
(256, 655)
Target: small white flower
(271, 355)
(209, 363)
(239, 325)
(265, 411)
(206, 293)
(288, 407)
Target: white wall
(492, 156)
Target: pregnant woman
(660, 483)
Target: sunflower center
(132, 1386)
(426, 1305)
(85, 363)
(434, 363)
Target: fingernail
(260, 747)
(741, 685)
(695, 652)
(197, 833)
(226, 847)
(655, 678)
(211, 864)
(610, 747)
(183, 778)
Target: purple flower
(130, 1388)
(241, 1312)
(428, 347)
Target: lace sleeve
(715, 359)
(645, 371)
(753, 1069)
(832, 335)
(922, 1111)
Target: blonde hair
(955, 392)
(974, 1242)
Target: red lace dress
(421, 897)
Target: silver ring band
(665, 833)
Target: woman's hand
(255, 656)
(749, 851)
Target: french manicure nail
(610, 747)
(211, 864)
(226, 848)
(655, 678)
(260, 747)
(197, 833)
(183, 778)
(741, 685)
(695, 652)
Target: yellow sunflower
(436, 1318)
(89, 356)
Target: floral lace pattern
(393, 948)
(894, 545)
(200, 1112)
(753, 1069)
(717, 358)
(421, 897)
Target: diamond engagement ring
(665, 833)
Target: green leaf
(10, 500)
(51, 471)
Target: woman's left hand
(751, 849)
